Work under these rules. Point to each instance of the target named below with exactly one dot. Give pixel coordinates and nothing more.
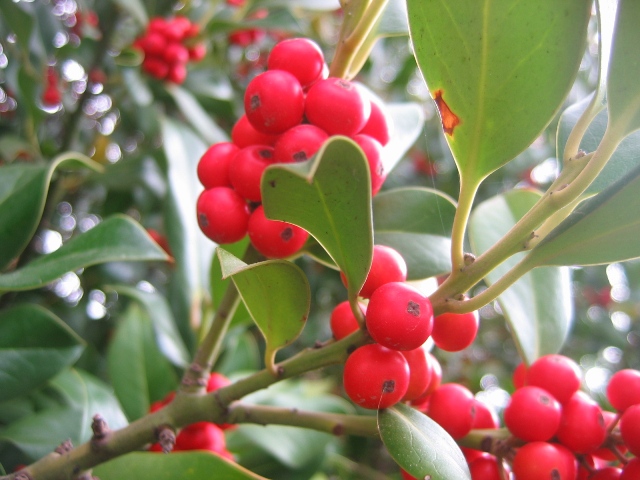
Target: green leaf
(136, 9)
(603, 229)
(196, 115)
(416, 222)
(23, 191)
(139, 373)
(394, 20)
(35, 345)
(2, 470)
(116, 239)
(421, 446)
(164, 326)
(280, 19)
(502, 69)
(183, 465)
(329, 196)
(407, 121)
(538, 306)
(83, 396)
(623, 91)
(277, 296)
(21, 23)
(312, 5)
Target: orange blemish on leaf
(449, 119)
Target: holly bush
(460, 179)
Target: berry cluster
(290, 110)
(51, 96)
(201, 435)
(168, 45)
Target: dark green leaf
(277, 296)
(329, 196)
(280, 19)
(501, 68)
(35, 345)
(136, 9)
(20, 22)
(420, 445)
(139, 373)
(182, 465)
(2, 470)
(416, 222)
(537, 307)
(116, 239)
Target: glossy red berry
(452, 407)
(223, 215)
(373, 152)
(197, 52)
(375, 377)
(343, 322)
(434, 383)
(201, 436)
(544, 461)
(557, 374)
(274, 102)
(582, 428)
(273, 238)
(532, 414)
(387, 265)
(630, 429)
(631, 470)
(177, 73)
(453, 332)
(51, 96)
(300, 57)
(484, 416)
(243, 134)
(420, 372)
(399, 316)
(485, 467)
(246, 169)
(299, 143)
(606, 473)
(623, 389)
(155, 66)
(213, 167)
(175, 52)
(377, 126)
(519, 376)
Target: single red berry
(300, 57)
(484, 416)
(157, 405)
(452, 407)
(387, 265)
(217, 381)
(607, 473)
(520, 376)
(582, 428)
(377, 126)
(223, 215)
(177, 73)
(420, 372)
(337, 106)
(532, 414)
(557, 374)
(375, 377)
(631, 470)
(485, 468)
(453, 332)
(434, 383)
(213, 167)
(630, 429)
(373, 152)
(274, 102)
(399, 316)
(51, 96)
(155, 66)
(158, 25)
(544, 461)
(273, 238)
(153, 43)
(343, 322)
(201, 436)
(197, 52)
(406, 475)
(623, 389)
(177, 28)
(246, 169)
(605, 453)
(299, 143)
(243, 134)
(175, 52)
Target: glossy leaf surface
(35, 345)
(407, 122)
(538, 306)
(417, 223)
(498, 70)
(421, 446)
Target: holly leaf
(538, 306)
(329, 196)
(35, 345)
(196, 115)
(421, 446)
(277, 296)
(486, 64)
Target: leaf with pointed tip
(35, 345)
(421, 446)
(23, 191)
(329, 196)
(277, 296)
(487, 62)
(538, 306)
(116, 239)
(603, 229)
(417, 223)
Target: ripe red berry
(420, 372)
(243, 134)
(557, 374)
(223, 215)
(177, 73)
(197, 52)
(453, 332)
(544, 461)
(51, 96)
(201, 436)
(373, 152)
(274, 102)
(155, 66)
(606, 473)
(630, 429)
(623, 389)
(452, 407)
(434, 383)
(300, 57)
(387, 265)
(273, 238)
(337, 106)
(399, 316)
(213, 167)
(246, 169)
(299, 143)
(582, 428)
(485, 467)
(631, 470)
(532, 414)
(175, 52)
(343, 322)
(377, 126)
(484, 416)
(520, 376)
(375, 377)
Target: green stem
(465, 201)
(484, 439)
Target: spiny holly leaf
(537, 306)
(277, 296)
(421, 446)
(23, 191)
(330, 197)
(35, 345)
(498, 71)
(118, 238)
(417, 223)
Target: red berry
(273, 238)
(176, 53)
(155, 66)
(485, 468)
(452, 407)
(197, 52)
(299, 143)
(153, 44)
(623, 389)
(420, 372)
(274, 102)
(557, 374)
(201, 436)
(607, 473)
(434, 383)
(177, 28)
(387, 265)
(484, 416)
(582, 428)
(243, 134)
(453, 332)
(532, 414)
(157, 24)
(177, 73)
(373, 152)
(520, 376)
(217, 381)
(375, 377)
(377, 125)
(246, 168)
(630, 429)
(337, 106)
(51, 96)
(631, 470)
(544, 461)
(223, 215)
(343, 322)
(213, 167)
(399, 316)
(300, 57)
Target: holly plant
(319, 239)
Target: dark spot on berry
(544, 400)
(202, 219)
(286, 234)
(413, 308)
(555, 475)
(300, 156)
(268, 154)
(388, 386)
(254, 102)
(344, 84)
